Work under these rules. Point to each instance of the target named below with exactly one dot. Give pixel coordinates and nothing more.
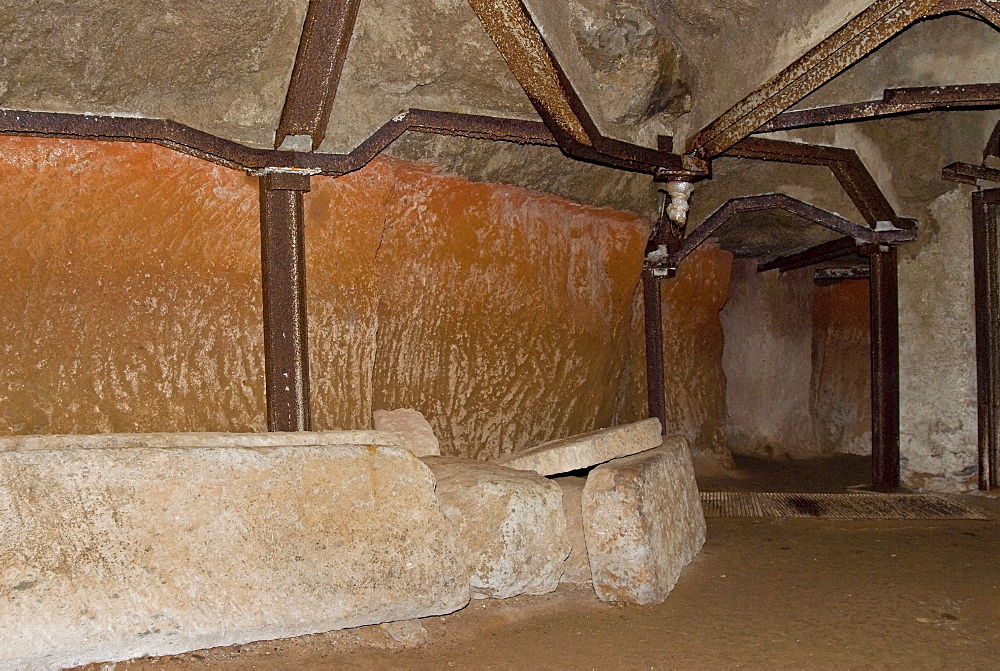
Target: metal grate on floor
(854, 506)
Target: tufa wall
(132, 289)
(841, 368)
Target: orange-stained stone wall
(130, 291)
(694, 381)
(841, 391)
(131, 295)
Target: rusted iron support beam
(827, 251)
(231, 154)
(778, 201)
(283, 260)
(833, 275)
(965, 173)
(893, 102)
(845, 165)
(654, 347)
(853, 41)
(993, 144)
(523, 47)
(884, 298)
(326, 34)
(986, 257)
(987, 10)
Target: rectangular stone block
(643, 523)
(511, 524)
(191, 439)
(577, 567)
(110, 554)
(587, 449)
(412, 430)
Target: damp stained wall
(693, 339)
(768, 361)
(841, 368)
(131, 290)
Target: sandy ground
(763, 594)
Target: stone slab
(110, 554)
(414, 431)
(193, 439)
(643, 523)
(588, 449)
(510, 522)
(577, 567)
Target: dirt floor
(763, 594)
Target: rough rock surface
(585, 450)
(643, 522)
(510, 523)
(460, 266)
(693, 341)
(115, 441)
(577, 567)
(113, 554)
(413, 280)
(768, 362)
(413, 431)
(218, 66)
(841, 380)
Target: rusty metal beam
(986, 257)
(884, 298)
(833, 275)
(523, 47)
(827, 251)
(857, 38)
(987, 10)
(993, 144)
(893, 102)
(286, 348)
(326, 34)
(779, 201)
(848, 169)
(231, 154)
(652, 312)
(965, 173)
(847, 45)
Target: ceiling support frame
(857, 38)
(221, 151)
(894, 102)
(828, 251)
(319, 61)
(534, 65)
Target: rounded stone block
(110, 554)
(643, 523)
(412, 430)
(510, 522)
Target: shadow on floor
(830, 474)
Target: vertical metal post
(282, 253)
(985, 259)
(884, 300)
(654, 347)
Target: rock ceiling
(641, 69)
